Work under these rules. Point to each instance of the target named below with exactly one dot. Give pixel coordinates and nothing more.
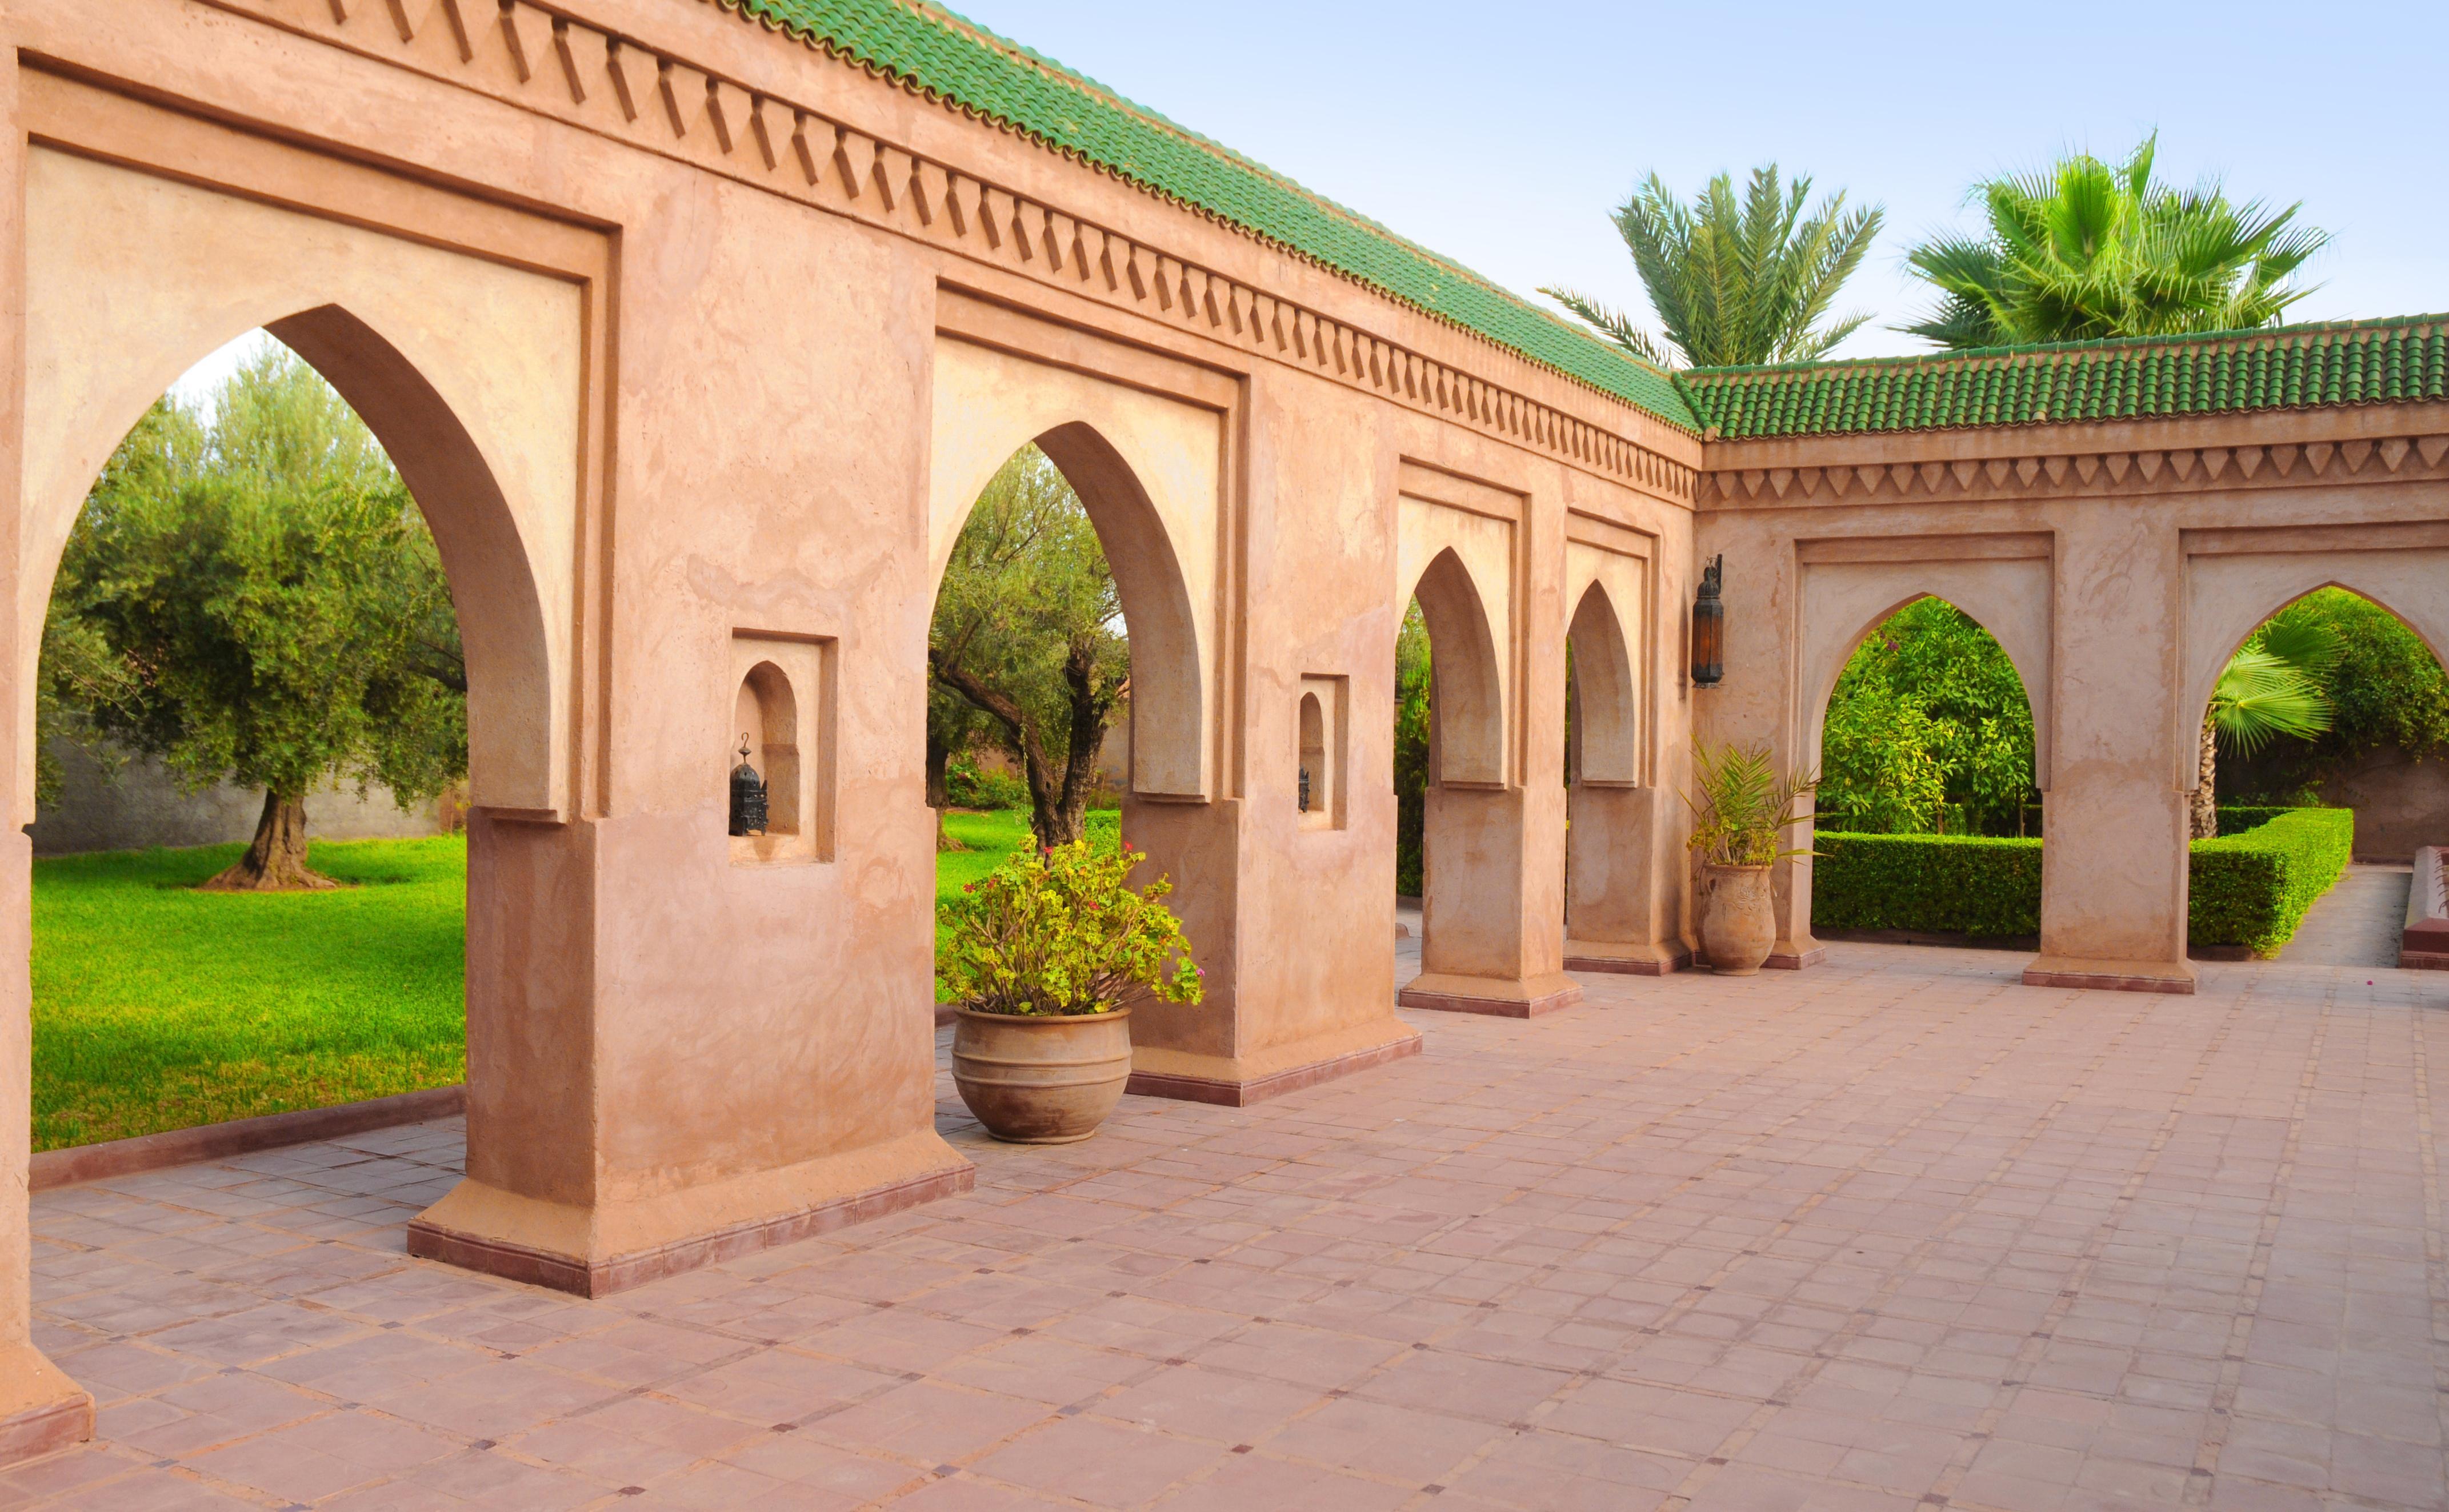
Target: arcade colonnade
(695, 338)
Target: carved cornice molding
(559, 66)
(2111, 474)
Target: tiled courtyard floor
(1895, 1232)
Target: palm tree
(2083, 250)
(2271, 687)
(1735, 281)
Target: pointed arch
(1843, 601)
(1604, 693)
(2228, 598)
(1145, 470)
(469, 372)
(1468, 692)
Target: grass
(157, 1007)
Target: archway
(315, 1026)
(1469, 875)
(2319, 741)
(251, 597)
(1928, 823)
(1116, 653)
(1614, 918)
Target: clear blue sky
(1500, 134)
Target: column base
(1626, 959)
(1503, 996)
(1793, 955)
(2109, 976)
(1236, 1081)
(42, 1411)
(611, 1247)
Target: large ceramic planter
(1042, 1081)
(1738, 929)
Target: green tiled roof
(2282, 368)
(947, 58)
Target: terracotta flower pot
(1042, 1081)
(1737, 929)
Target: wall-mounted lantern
(1709, 627)
(748, 795)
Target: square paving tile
(1894, 1231)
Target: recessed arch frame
(472, 373)
(2230, 596)
(1147, 469)
(1842, 602)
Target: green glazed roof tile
(2142, 377)
(947, 58)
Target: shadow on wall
(143, 806)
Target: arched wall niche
(783, 706)
(2229, 596)
(469, 371)
(1148, 469)
(1843, 601)
(768, 712)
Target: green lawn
(157, 1007)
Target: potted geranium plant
(1045, 956)
(1741, 807)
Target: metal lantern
(748, 795)
(1304, 790)
(1709, 627)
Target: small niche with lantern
(1317, 792)
(779, 764)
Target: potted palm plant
(1741, 807)
(1045, 956)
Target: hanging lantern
(748, 795)
(1709, 627)
(1304, 790)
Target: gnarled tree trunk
(275, 862)
(2206, 804)
(939, 790)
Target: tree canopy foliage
(1736, 279)
(1029, 631)
(2382, 686)
(256, 600)
(1929, 731)
(2083, 249)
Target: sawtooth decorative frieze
(560, 66)
(2095, 474)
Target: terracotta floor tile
(1826, 1223)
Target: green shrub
(2249, 887)
(1958, 883)
(971, 787)
(1062, 932)
(2252, 885)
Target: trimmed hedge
(1964, 884)
(2252, 885)
(2249, 887)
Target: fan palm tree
(1735, 280)
(2271, 687)
(2084, 250)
